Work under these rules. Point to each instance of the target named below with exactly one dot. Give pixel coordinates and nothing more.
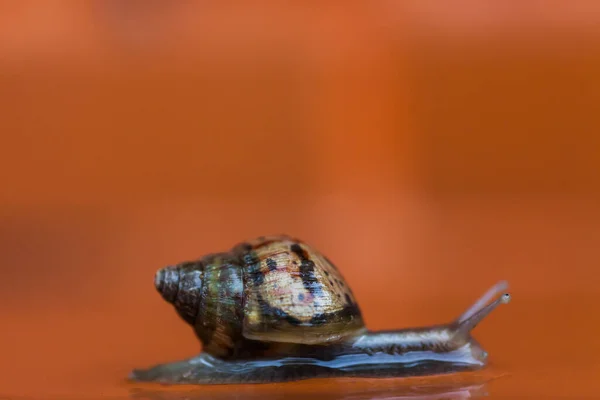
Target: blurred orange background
(429, 148)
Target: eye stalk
(481, 309)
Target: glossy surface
(437, 147)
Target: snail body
(275, 309)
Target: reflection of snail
(274, 309)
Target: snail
(274, 309)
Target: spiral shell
(270, 289)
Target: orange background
(430, 149)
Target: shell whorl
(207, 294)
(166, 281)
(181, 285)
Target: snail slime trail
(274, 309)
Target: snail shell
(271, 289)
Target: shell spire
(166, 281)
(181, 286)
